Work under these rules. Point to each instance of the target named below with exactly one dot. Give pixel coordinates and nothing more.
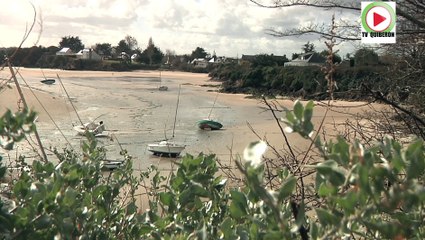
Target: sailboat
(167, 148)
(161, 87)
(209, 124)
(48, 81)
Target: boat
(166, 148)
(111, 164)
(208, 124)
(95, 128)
(48, 81)
(161, 87)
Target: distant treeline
(305, 82)
(45, 57)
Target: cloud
(230, 27)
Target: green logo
(366, 22)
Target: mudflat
(136, 113)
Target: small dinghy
(95, 128)
(48, 81)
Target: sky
(227, 27)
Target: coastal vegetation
(363, 187)
(359, 192)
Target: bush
(374, 193)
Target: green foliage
(74, 43)
(274, 79)
(15, 127)
(104, 49)
(151, 55)
(198, 53)
(366, 56)
(369, 193)
(374, 193)
(308, 47)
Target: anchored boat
(208, 124)
(166, 148)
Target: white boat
(166, 148)
(91, 127)
(111, 164)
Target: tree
(366, 56)
(407, 72)
(123, 47)
(412, 12)
(152, 54)
(198, 53)
(295, 56)
(131, 42)
(335, 57)
(308, 47)
(104, 49)
(269, 60)
(74, 43)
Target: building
(307, 59)
(199, 62)
(65, 52)
(88, 54)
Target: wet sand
(136, 113)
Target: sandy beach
(136, 113)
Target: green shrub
(373, 193)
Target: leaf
(227, 230)
(287, 188)
(308, 111)
(43, 222)
(326, 190)
(330, 170)
(166, 198)
(314, 231)
(415, 159)
(326, 218)
(70, 196)
(239, 206)
(298, 110)
(290, 119)
(300, 219)
(2, 171)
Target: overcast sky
(228, 27)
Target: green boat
(209, 124)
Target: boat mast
(215, 100)
(18, 87)
(177, 107)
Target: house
(199, 63)
(248, 58)
(307, 59)
(216, 60)
(264, 59)
(88, 54)
(65, 52)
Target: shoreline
(136, 113)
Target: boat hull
(48, 81)
(209, 125)
(166, 149)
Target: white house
(65, 52)
(307, 59)
(88, 54)
(199, 63)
